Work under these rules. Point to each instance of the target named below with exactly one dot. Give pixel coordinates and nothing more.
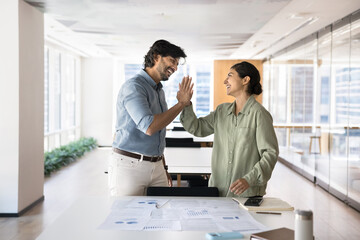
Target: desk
(82, 219)
(184, 134)
(188, 161)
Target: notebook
(269, 204)
(276, 234)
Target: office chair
(183, 191)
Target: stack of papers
(160, 214)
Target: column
(21, 107)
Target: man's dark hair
(164, 49)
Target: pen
(275, 213)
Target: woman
(245, 148)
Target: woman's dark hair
(247, 69)
(164, 49)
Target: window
(172, 85)
(131, 70)
(203, 90)
(61, 97)
(56, 96)
(201, 77)
(276, 99)
(324, 119)
(46, 90)
(301, 94)
(325, 90)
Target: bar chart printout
(160, 214)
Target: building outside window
(302, 94)
(203, 90)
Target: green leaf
(67, 154)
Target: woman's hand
(239, 186)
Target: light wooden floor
(332, 218)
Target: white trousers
(130, 176)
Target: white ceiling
(206, 29)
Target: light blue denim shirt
(139, 99)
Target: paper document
(231, 223)
(196, 213)
(165, 214)
(162, 225)
(160, 214)
(203, 224)
(117, 221)
(147, 203)
(183, 203)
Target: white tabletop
(188, 160)
(184, 134)
(83, 218)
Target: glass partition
(312, 136)
(354, 115)
(266, 83)
(340, 104)
(312, 90)
(279, 89)
(323, 108)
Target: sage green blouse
(245, 146)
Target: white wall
(31, 108)
(21, 104)
(9, 105)
(97, 99)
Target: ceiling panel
(206, 29)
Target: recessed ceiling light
(300, 15)
(255, 43)
(296, 16)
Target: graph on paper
(162, 225)
(196, 213)
(162, 214)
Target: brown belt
(138, 156)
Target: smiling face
(235, 85)
(166, 67)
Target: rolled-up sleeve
(137, 105)
(268, 150)
(200, 127)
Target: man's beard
(163, 76)
(162, 69)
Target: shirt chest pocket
(245, 137)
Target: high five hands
(186, 91)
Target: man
(137, 160)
